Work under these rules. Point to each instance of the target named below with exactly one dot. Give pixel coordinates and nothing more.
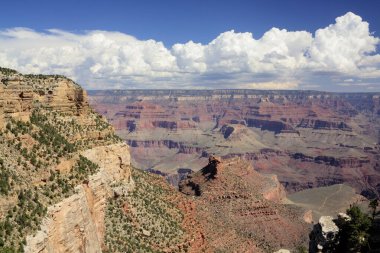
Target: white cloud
(270, 85)
(280, 59)
(344, 46)
(190, 57)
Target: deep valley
(307, 138)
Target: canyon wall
(76, 224)
(20, 94)
(307, 138)
(60, 163)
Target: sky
(330, 45)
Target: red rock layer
(232, 209)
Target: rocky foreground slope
(240, 209)
(308, 138)
(67, 185)
(58, 160)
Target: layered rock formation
(309, 139)
(58, 163)
(77, 223)
(66, 184)
(22, 93)
(240, 211)
(66, 180)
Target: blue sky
(175, 21)
(145, 44)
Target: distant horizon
(237, 89)
(203, 89)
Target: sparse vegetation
(7, 71)
(22, 219)
(145, 220)
(83, 168)
(25, 213)
(62, 185)
(30, 152)
(5, 185)
(49, 136)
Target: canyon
(69, 184)
(307, 138)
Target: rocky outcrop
(274, 191)
(270, 125)
(324, 124)
(227, 131)
(20, 94)
(182, 147)
(344, 162)
(236, 204)
(268, 185)
(76, 224)
(324, 232)
(17, 97)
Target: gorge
(67, 184)
(307, 138)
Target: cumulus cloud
(280, 59)
(344, 46)
(270, 85)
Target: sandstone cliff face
(17, 97)
(20, 94)
(76, 224)
(59, 161)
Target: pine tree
(354, 232)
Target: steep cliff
(153, 217)
(59, 160)
(77, 223)
(23, 93)
(66, 180)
